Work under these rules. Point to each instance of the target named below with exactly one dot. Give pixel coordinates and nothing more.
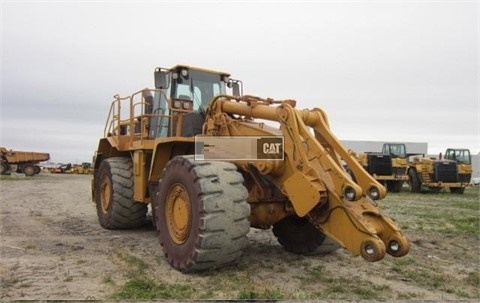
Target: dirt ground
(52, 248)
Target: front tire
(201, 214)
(4, 169)
(413, 181)
(116, 208)
(299, 236)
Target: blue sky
(382, 70)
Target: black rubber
(123, 212)
(413, 181)
(394, 186)
(219, 214)
(457, 190)
(4, 168)
(299, 236)
(28, 170)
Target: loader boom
(312, 175)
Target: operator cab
(396, 150)
(182, 96)
(462, 156)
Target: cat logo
(271, 148)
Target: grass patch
(147, 289)
(439, 212)
(136, 266)
(473, 279)
(265, 294)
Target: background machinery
(82, 169)
(452, 171)
(62, 169)
(388, 167)
(203, 209)
(21, 161)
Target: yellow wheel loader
(177, 146)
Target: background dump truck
(452, 171)
(21, 161)
(203, 209)
(388, 167)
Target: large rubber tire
(37, 169)
(116, 208)
(28, 170)
(299, 236)
(3, 169)
(201, 214)
(457, 190)
(394, 186)
(413, 181)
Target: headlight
(184, 72)
(177, 104)
(186, 105)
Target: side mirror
(161, 79)
(236, 89)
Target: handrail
(116, 122)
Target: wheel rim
(178, 213)
(105, 194)
(29, 170)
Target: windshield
(199, 86)
(462, 156)
(395, 150)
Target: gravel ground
(52, 248)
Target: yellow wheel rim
(105, 194)
(178, 213)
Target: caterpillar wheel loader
(452, 171)
(203, 208)
(388, 167)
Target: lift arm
(312, 175)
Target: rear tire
(28, 170)
(394, 186)
(299, 236)
(201, 214)
(116, 208)
(457, 190)
(414, 181)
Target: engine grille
(464, 178)
(445, 171)
(379, 164)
